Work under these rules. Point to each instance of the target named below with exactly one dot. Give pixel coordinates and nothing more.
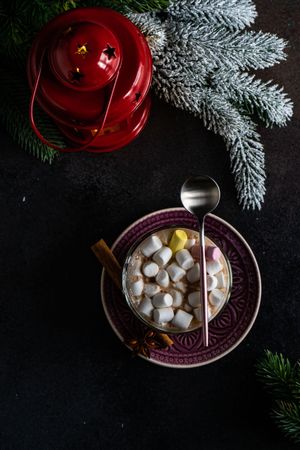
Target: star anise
(149, 341)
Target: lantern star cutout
(82, 50)
(76, 75)
(109, 52)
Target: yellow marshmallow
(178, 240)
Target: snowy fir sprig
(200, 56)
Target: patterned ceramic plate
(228, 329)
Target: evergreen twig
(14, 100)
(282, 380)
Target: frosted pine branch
(268, 102)
(232, 14)
(216, 47)
(198, 56)
(242, 141)
(244, 146)
(248, 167)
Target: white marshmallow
(162, 256)
(194, 299)
(175, 272)
(189, 243)
(150, 269)
(146, 307)
(198, 313)
(177, 297)
(163, 315)
(184, 259)
(181, 286)
(216, 297)
(162, 300)
(151, 289)
(209, 312)
(182, 319)
(221, 280)
(187, 307)
(213, 267)
(162, 278)
(137, 287)
(151, 245)
(193, 274)
(136, 267)
(211, 282)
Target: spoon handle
(203, 285)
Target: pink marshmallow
(213, 253)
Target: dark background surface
(66, 381)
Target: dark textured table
(66, 381)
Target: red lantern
(90, 69)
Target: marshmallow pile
(164, 276)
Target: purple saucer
(228, 329)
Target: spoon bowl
(200, 195)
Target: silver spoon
(201, 195)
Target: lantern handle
(38, 133)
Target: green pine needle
(277, 373)
(287, 415)
(282, 381)
(14, 115)
(17, 125)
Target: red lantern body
(90, 69)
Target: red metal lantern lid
(85, 56)
(81, 102)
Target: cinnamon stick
(165, 339)
(108, 260)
